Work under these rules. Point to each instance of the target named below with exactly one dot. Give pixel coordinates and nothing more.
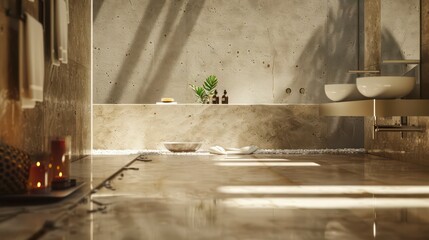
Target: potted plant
(204, 94)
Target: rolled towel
(217, 150)
(233, 151)
(249, 149)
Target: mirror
(273, 51)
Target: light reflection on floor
(296, 197)
(326, 203)
(229, 159)
(267, 164)
(339, 189)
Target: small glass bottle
(215, 99)
(224, 97)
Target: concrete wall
(400, 34)
(66, 106)
(148, 49)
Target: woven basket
(14, 170)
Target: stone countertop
(262, 196)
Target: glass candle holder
(40, 176)
(61, 152)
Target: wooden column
(372, 34)
(424, 48)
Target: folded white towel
(31, 62)
(59, 21)
(61, 28)
(233, 151)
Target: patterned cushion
(14, 170)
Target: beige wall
(66, 106)
(148, 49)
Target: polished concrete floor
(355, 196)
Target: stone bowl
(182, 146)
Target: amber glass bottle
(224, 97)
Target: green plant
(205, 93)
(200, 93)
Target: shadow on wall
(140, 40)
(390, 50)
(328, 55)
(154, 80)
(96, 6)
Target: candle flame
(38, 164)
(50, 165)
(39, 184)
(60, 174)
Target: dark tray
(54, 194)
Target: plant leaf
(200, 93)
(210, 85)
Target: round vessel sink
(385, 87)
(341, 92)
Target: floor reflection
(191, 197)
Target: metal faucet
(373, 72)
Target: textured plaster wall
(400, 34)
(139, 126)
(148, 49)
(66, 106)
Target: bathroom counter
(266, 126)
(376, 107)
(262, 196)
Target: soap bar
(167, 99)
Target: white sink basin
(385, 86)
(342, 92)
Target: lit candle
(60, 151)
(39, 176)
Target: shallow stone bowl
(182, 146)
